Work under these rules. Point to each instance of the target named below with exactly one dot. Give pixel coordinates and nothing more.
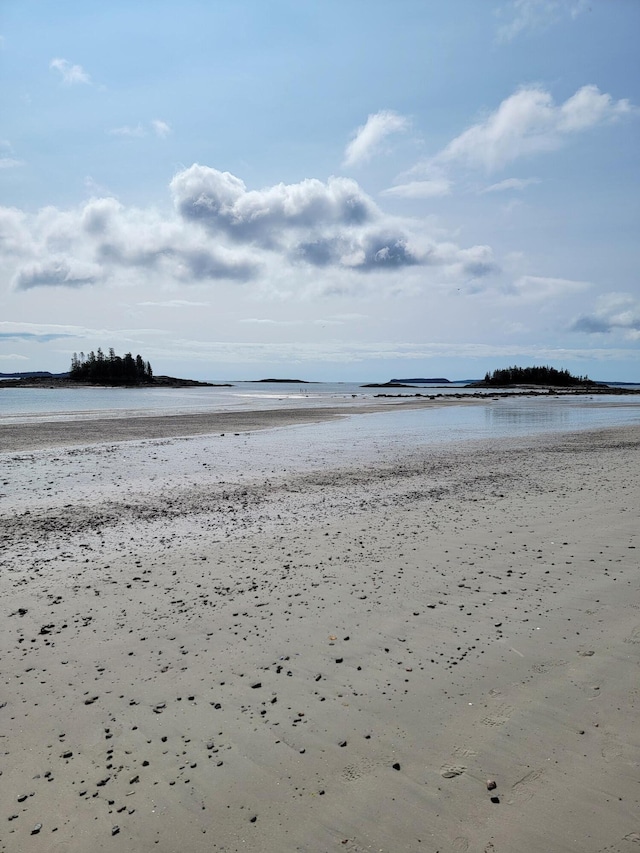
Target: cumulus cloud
(104, 241)
(616, 312)
(529, 122)
(517, 184)
(534, 15)
(369, 251)
(56, 271)
(70, 74)
(420, 189)
(369, 137)
(320, 236)
(221, 202)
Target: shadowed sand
(319, 660)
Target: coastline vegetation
(535, 376)
(111, 369)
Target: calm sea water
(506, 417)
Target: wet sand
(33, 432)
(319, 660)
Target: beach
(434, 649)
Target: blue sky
(331, 190)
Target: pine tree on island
(535, 376)
(113, 369)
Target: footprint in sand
(460, 844)
(450, 771)
(463, 752)
(634, 636)
(523, 789)
(356, 771)
(624, 845)
(545, 666)
(613, 751)
(499, 717)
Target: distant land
(406, 383)
(34, 374)
(439, 380)
(296, 381)
(44, 379)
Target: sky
(334, 190)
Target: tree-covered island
(100, 369)
(548, 376)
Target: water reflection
(531, 415)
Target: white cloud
(43, 333)
(67, 272)
(266, 321)
(95, 188)
(221, 202)
(337, 352)
(535, 15)
(13, 357)
(420, 189)
(369, 137)
(10, 163)
(529, 122)
(135, 132)
(161, 128)
(71, 74)
(535, 287)
(288, 239)
(517, 184)
(615, 312)
(174, 303)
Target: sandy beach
(30, 433)
(318, 660)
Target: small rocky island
(545, 376)
(291, 381)
(96, 368)
(407, 383)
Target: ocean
(515, 416)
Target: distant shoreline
(53, 382)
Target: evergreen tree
(110, 370)
(535, 376)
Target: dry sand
(322, 660)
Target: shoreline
(88, 429)
(324, 660)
